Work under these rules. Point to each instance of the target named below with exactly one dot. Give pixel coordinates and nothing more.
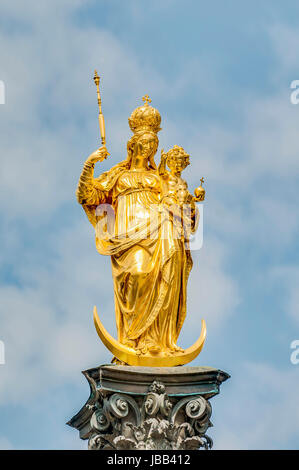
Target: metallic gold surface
(101, 116)
(140, 214)
(129, 356)
(200, 192)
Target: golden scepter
(101, 116)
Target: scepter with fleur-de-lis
(101, 116)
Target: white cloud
(212, 292)
(47, 323)
(287, 277)
(5, 444)
(50, 79)
(258, 409)
(285, 40)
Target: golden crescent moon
(130, 356)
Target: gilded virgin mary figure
(148, 247)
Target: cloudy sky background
(220, 75)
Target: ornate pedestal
(148, 407)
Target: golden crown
(145, 117)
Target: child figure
(175, 189)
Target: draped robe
(150, 262)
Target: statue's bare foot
(149, 348)
(154, 349)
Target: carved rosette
(153, 422)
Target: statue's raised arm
(86, 191)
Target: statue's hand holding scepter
(97, 156)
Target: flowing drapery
(150, 263)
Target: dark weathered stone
(148, 407)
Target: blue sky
(220, 75)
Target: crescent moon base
(131, 357)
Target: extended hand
(163, 156)
(98, 156)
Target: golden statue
(143, 218)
